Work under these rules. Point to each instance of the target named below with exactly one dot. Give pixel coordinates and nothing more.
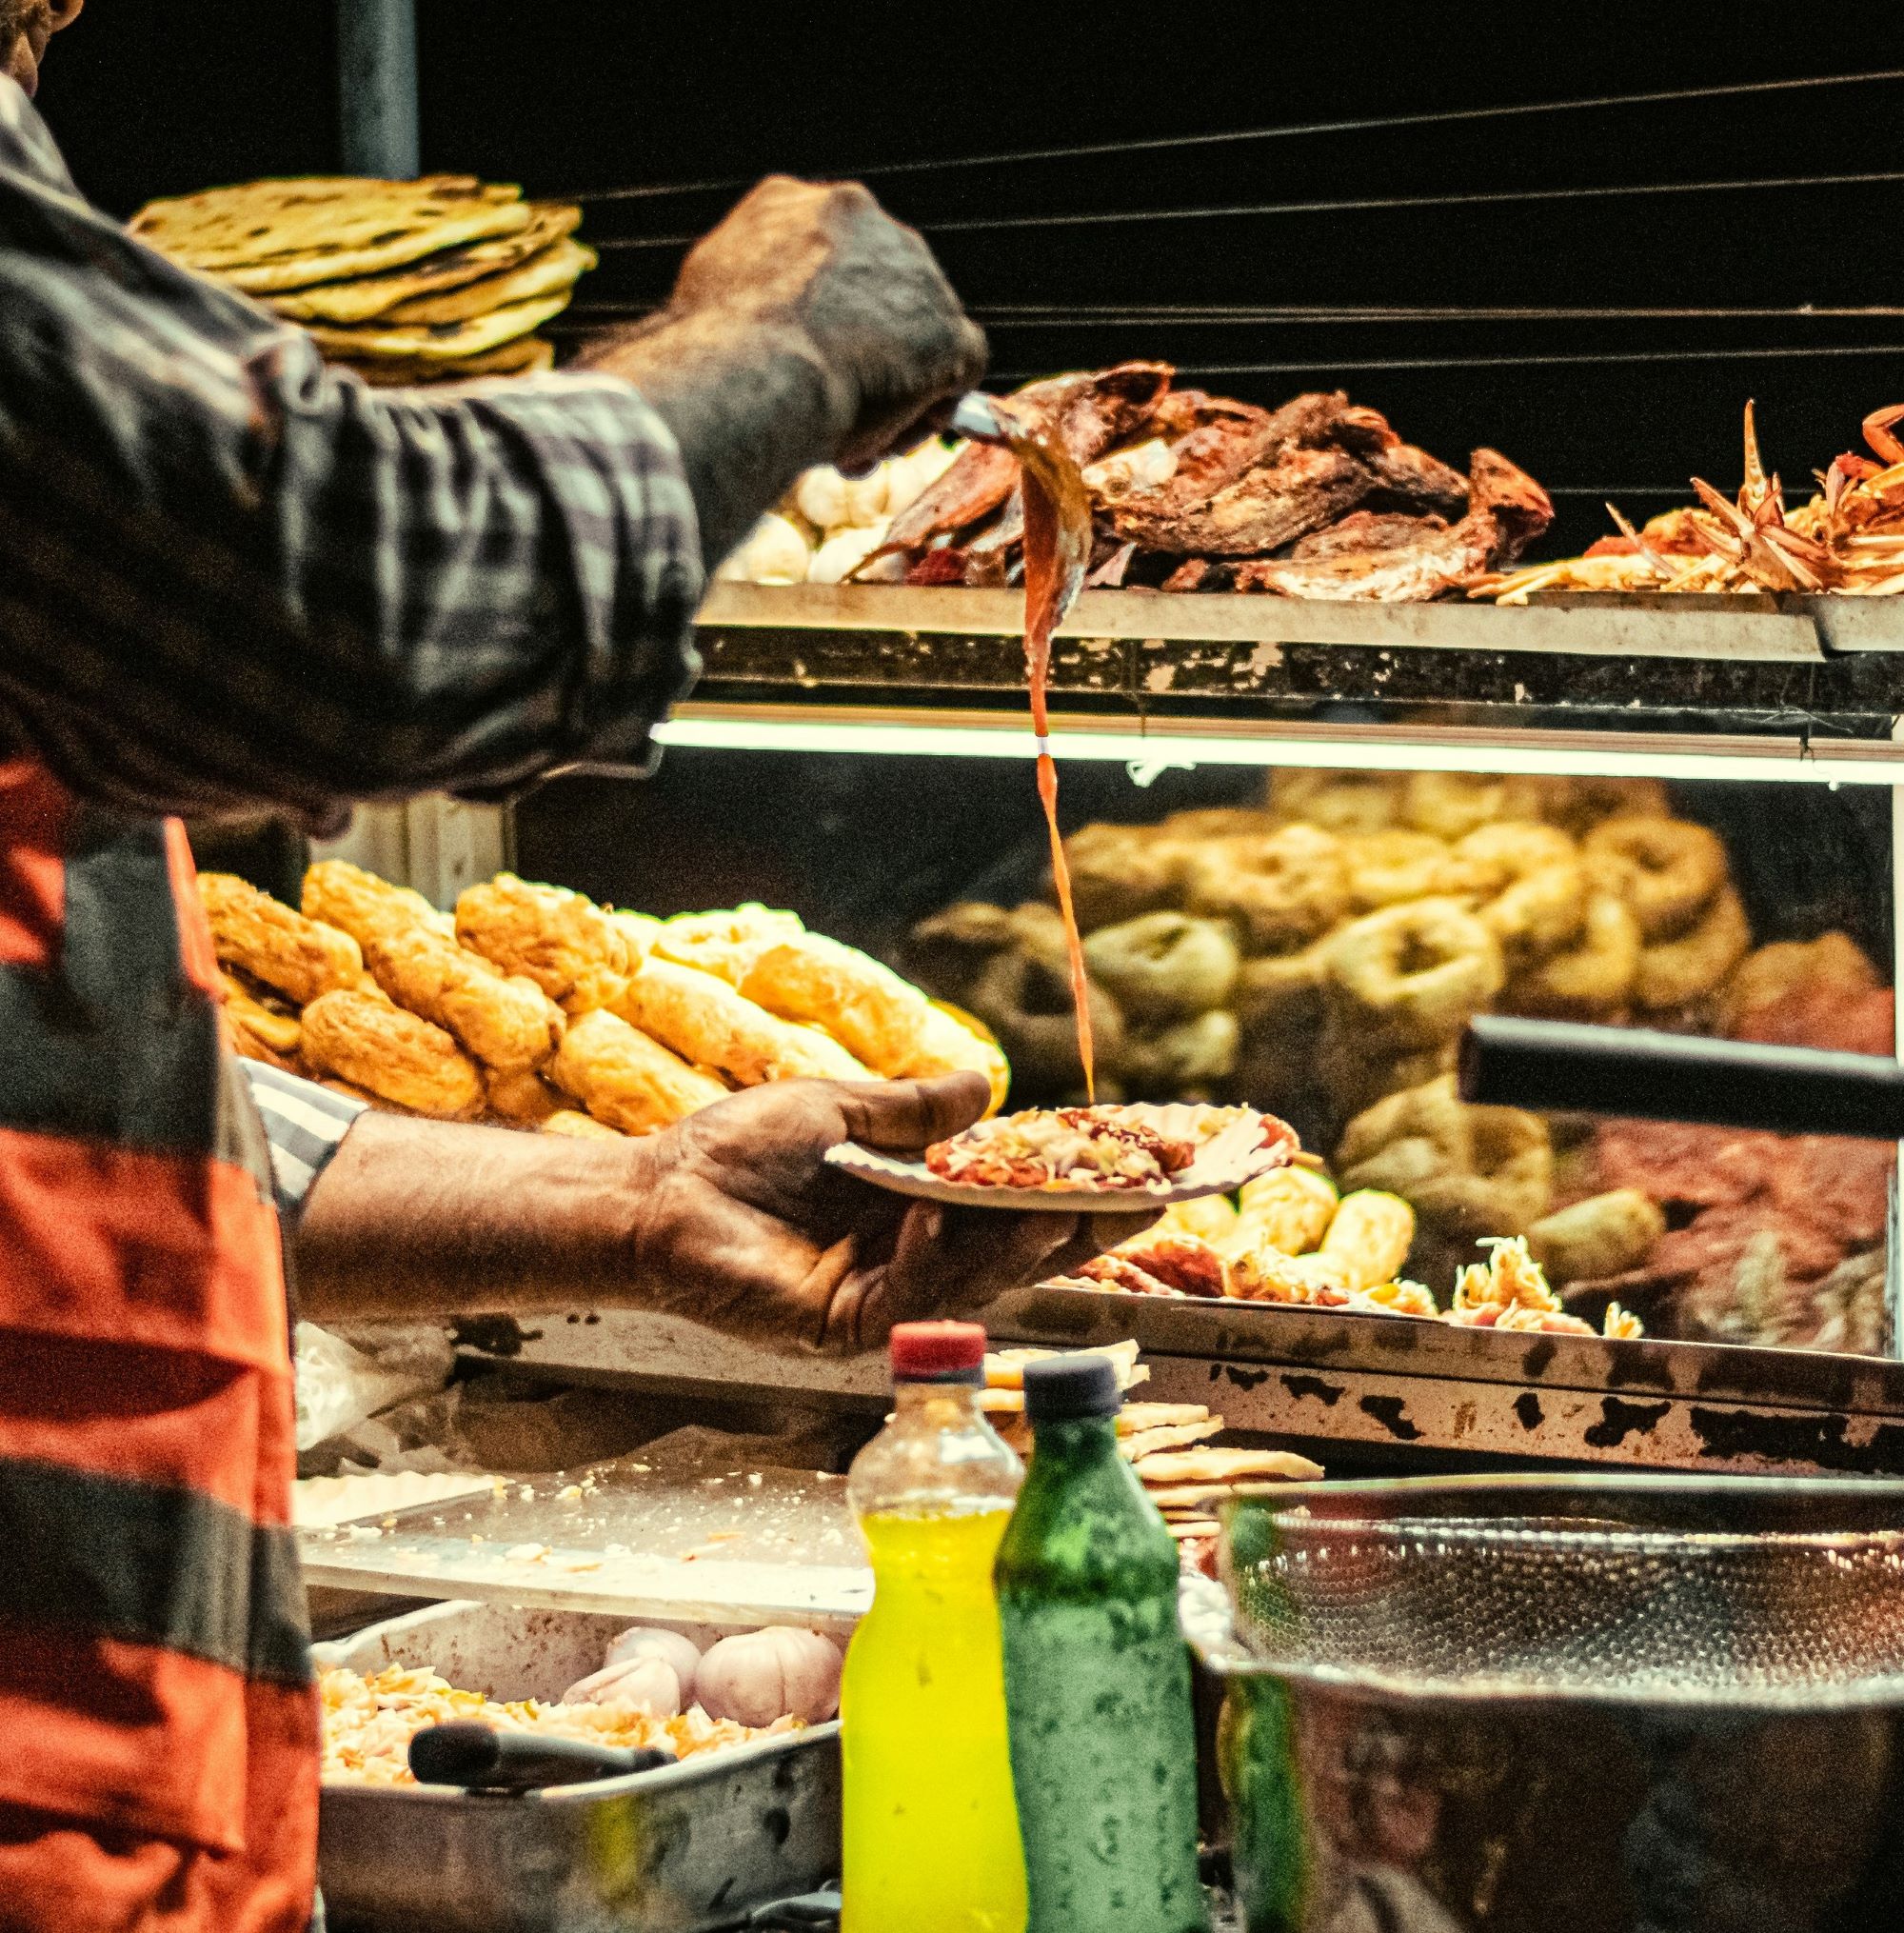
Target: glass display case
(1308, 842)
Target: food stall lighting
(1362, 747)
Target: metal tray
(686, 1849)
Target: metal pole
(377, 87)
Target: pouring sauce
(1056, 553)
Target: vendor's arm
(236, 577)
(731, 1218)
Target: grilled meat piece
(1409, 479)
(1363, 530)
(1270, 506)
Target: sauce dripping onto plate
(1057, 554)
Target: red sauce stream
(1057, 552)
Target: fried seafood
(367, 1040)
(1415, 974)
(295, 956)
(625, 1078)
(508, 1023)
(709, 1023)
(577, 954)
(360, 904)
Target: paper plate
(1233, 1152)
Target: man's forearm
(750, 408)
(415, 1218)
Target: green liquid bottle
(1103, 1746)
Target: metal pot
(1563, 1706)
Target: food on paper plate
(399, 1057)
(296, 956)
(1102, 1149)
(369, 1723)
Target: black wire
(1295, 130)
(1030, 315)
(1895, 348)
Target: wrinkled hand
(749, 1229)
(860, 287)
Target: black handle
(1680, 1077)
(480, 1758)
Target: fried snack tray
(1235, 1151)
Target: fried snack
(1024, 996)
(251, 1020)
(1389, 868)
(1343, 802)
(1164, 965)
(1677, 971)
(580, 1127)
(296, 956)
(1280, 890)
(1577, 804)
(1452, 805)
(1604, 1235)
(1209, 1218)
(1263, 1275)
(576, 953)
(1216, 822)
(708, 1023)
(1668, 870)
(1396, 1299)
(1225, 1466)
(876, 1016)
(624, 1078)
(362, 904)
(1118, 872)
(638, 931)
(1170, 1436)
(1531, 886)
(509, 1024)
(724, 943)
(523, 1099)
(1370, 1235)
(1415, 974)
(1622, 1324)
(1590, 980)
(1287, 1211)
(1832, 961)
(366, 1039)
(1180, 1261)
(1182, 1060)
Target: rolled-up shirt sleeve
(305, 1124)
(237, 577)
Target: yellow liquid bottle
(930, 1837)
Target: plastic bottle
(1103, 1742)
(930, 1833)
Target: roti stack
(438, 280)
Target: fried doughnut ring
(374, 1045)
(1666, 870)
(1164, 965)
(1356, 1068)
(1341, 802)
(1120, 872)
(1580, 803)
(1216, 822)
(295, 956)
(1192, 1054)
(1677, 971)
(1416, 972)
(949, 950)
(1604, 1235)
(1388, 868)
(1280, 890)
(1370, 1236)
(1833, 959)
(1024, 997)
(360, 904)
(576, 953)
(1534, 891)
(625, 1079)
(1452, 805)
(1589, 980)
(1288, 1211)
(1509, 1188)
(1431, 1119)
(509, 1024)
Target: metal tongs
(481, 1759)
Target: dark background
(155, 96)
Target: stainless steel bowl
(1578, 1705)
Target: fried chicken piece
(299, 957)
(577, 954)
(374, 1045)
(707, 1022)
(509, 1024)
(627, 1079)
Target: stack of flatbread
(1167, 1444)
(436, 280)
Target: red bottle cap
(937, 1352)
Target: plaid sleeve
(304, 1124)
(236, 577)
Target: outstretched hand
(746, 1228)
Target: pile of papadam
(435, 280)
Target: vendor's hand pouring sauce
(233, 579)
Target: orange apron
(158, 1729)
